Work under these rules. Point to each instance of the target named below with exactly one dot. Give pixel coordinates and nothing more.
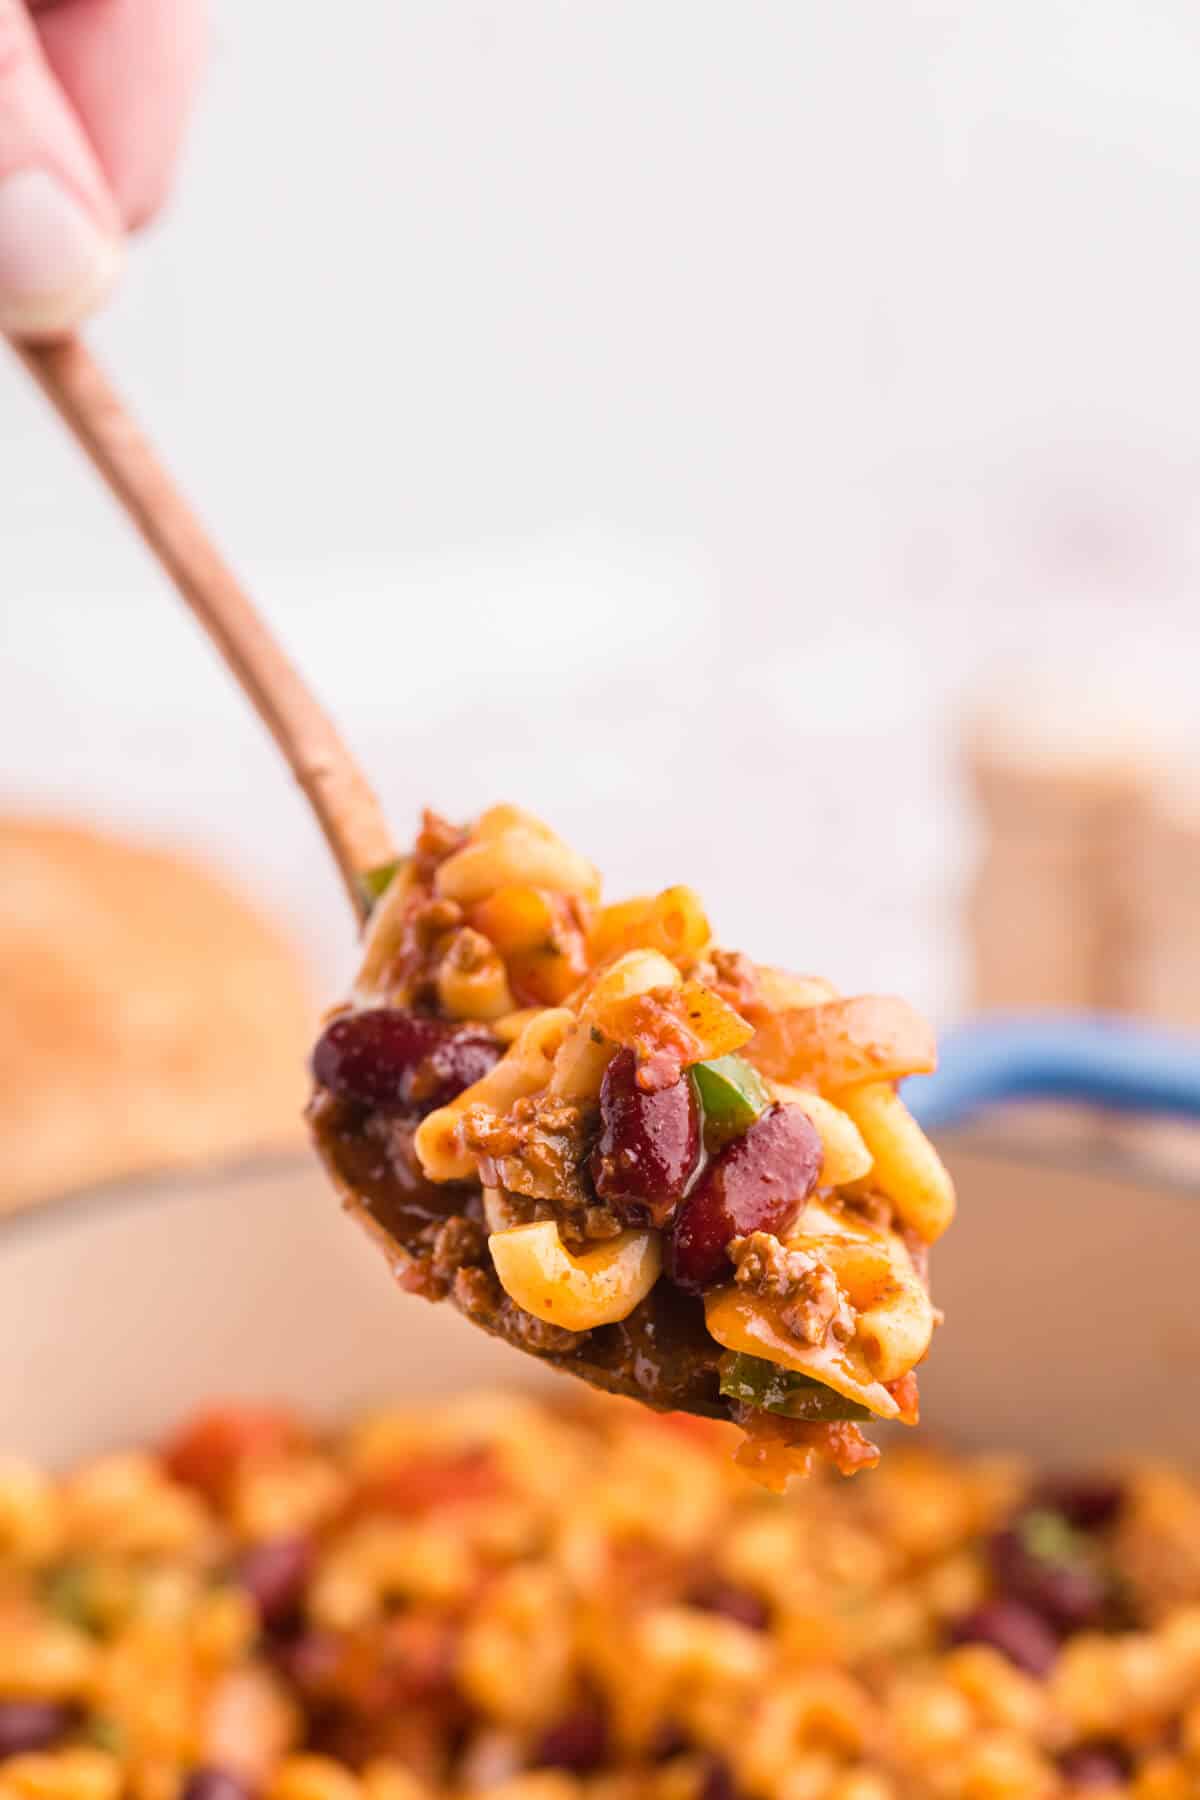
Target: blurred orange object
(149, 1017)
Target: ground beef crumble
(814, 1306)
(459, 1243)
(441, 1249)
(538, 1154)
(918, 1251)
(430, 928)
(734, 977)
(578, 1228)
(436, 840)
(468, 951)
(872, 1208)
(477, 1293)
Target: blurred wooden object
(149, 1017)
(1049, 917)
(1087, 894)
(1160, 881)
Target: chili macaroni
(599, 1133)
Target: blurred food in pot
(593, 1604)
(150, 1015)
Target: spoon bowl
(660, 1355)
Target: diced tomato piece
(774, 1449)
(414, 1487)
(207, 1451)
(904, 1392)
(399, 1663)
(706, 1434)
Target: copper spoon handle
(336, 788)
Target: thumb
(60, 236)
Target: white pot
(1070, 1293)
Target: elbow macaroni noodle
(515, 855)
(905, 1163)
(599, 1287)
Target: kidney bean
(31, 1725)
(1015, 1630)
(1070, 1594)
(1089, 1503)
(417, 1660)
(669, 1739)
(310, 1661)
(649, 1144)
(400, 1062)
(757, 1183)
(214, 1784)
(718, 1781)
(578, 1742)
(1095, 1766)
(733, 1602)
(274, 1574)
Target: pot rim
(122, 1193)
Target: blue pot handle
(1095, 1059)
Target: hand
(94, 97)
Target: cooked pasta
(907, 1167)
(596, 1287)
(492, 1599)
(625, 1148)
(514, 853)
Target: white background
(661, 412)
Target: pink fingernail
(56, 263)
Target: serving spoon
(341, 797)
(663, 1354)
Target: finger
(60, 237)
(130, 69)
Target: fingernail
(56, 263)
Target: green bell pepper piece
(768, 1388)
(732, 1095)
(1050, 1537)
(375, 882)
(68, 1593)
(107, 1734)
